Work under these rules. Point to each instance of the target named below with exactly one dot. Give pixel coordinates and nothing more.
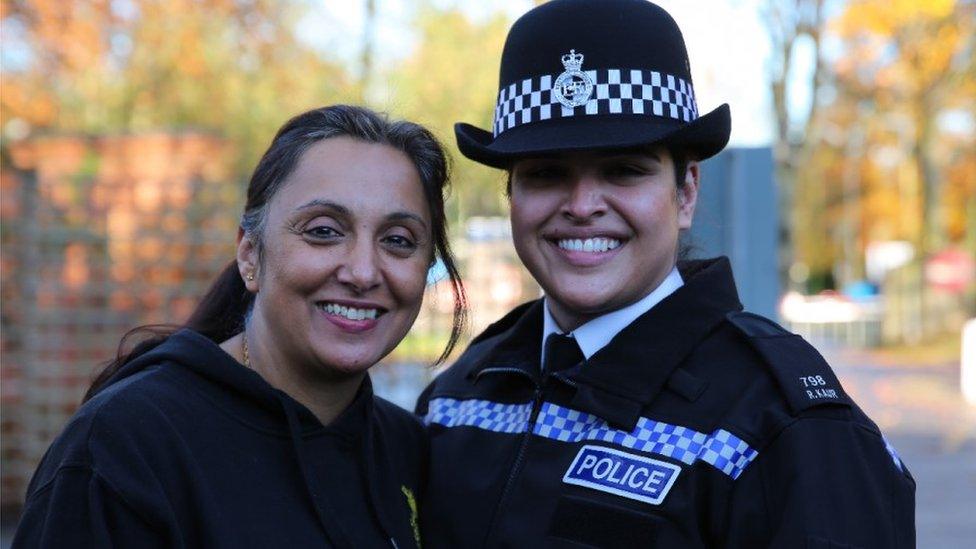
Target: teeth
(351, 313)
(589, 245)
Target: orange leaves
(887, 17)
(902, 68)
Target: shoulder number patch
(816, 388)
(620, 473)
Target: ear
(247, 260)
(688, 196)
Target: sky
(726, 40)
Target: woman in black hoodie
(254, 425)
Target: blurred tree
(453, 77)
(893, 153)
(367, 52)
(232, 66)
(794, 27)
(913, 62)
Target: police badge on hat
(573, 87)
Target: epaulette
(801, 372)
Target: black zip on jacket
(188, 448)
(696, 426)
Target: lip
(346, 324)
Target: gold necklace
(247, 358)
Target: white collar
(595, 334)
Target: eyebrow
(319, 203)
(397, 216)
(342, 210)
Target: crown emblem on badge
(572, 61)
(573, 87)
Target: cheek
(300, 268)
(528, 209)
(408, 280)
(652, 213)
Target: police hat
(588, 74)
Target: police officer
(635, 404)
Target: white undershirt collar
(595, 334)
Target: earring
(250, 276)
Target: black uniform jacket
(696, 426)
(188, 448)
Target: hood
(253, 401)
(244, 392)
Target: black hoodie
(187, 448)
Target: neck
(326, 396)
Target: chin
(344, 365)
(582, 304)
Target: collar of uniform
(620, 379)
(516, 347)
(597, 333)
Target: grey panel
(737, 216)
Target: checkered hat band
(615, 91)
(721, 449)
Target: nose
(360, 271)
(584, 199)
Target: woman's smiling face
(344, 257)
(599, 230)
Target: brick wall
(99, 234)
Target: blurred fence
(99, 235)
(103, 234)
(906, 311)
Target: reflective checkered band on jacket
(893, 454)
(615, 91)
(721, 449)
(483, 414)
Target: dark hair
(222, 311)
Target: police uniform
(698, 426)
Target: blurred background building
(847, 200)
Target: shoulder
(505, 323)
(456, 379)
(109, 430)
(486, 342)
(801, 373)
(393, 417)
(403, 435)
(399, 429)
(772, 386)
(761, 378)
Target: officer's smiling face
(599, 230)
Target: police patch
(627, 475)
